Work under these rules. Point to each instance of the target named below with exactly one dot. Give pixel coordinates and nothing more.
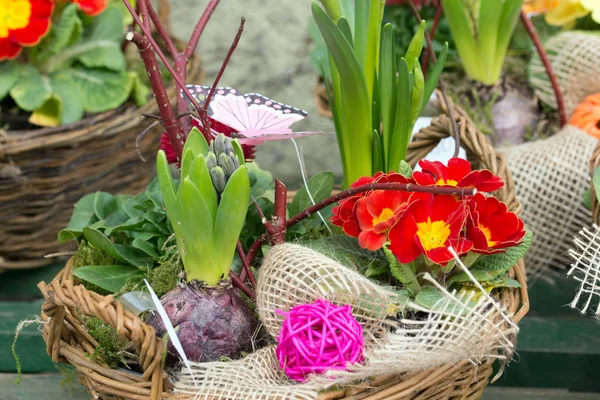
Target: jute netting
(551, 178)
(574, 57)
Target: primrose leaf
(83, 216)
(65, 32)
(231, 216)
(489, 267)
(69, 92)
(587, 199)
(101, 90)
(404, 273)
(146, 247)
(109, 277)
(31, 89)
(347, 251)
(429, 297)
(103, 41)
(105, 204)
(596, 182)
(119, 252)
(9, 74)
(49, 113)
(320, 187)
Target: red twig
(161, 29)
(279, 213)
(544, 57)
(161, 55)
(406, 187)
(241, 285)
(455, 132)
(236, 40)
(143, 8)
(436, 20)
(158, 87)
(199, 28)
(246, 266)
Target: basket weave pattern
(68, 341)
(44, 172)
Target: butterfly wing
(265, 113)
(259, 136)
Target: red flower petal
(402, 239)
(371, 240)
(165, 145)
(91, 7)
(8, 49)
(482, 180)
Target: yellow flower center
(14, 14)
(488, 235)
(433, 234)
(385, 214)
(448, 182)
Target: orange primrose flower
(587, 115)
(22, 23)
(430, 226)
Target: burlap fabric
(586, 269)
(574, 57)
(293, 275)
(550, 178)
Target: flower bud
(211, 160)
(228, 147)
(220, 144)
(235, 159)
(218, 179)
(226, 162)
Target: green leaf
(119, 252)
(415, 47)
(146, 247)
(64, 32)
(9, 74)
(376, 269)
(344, 27)
(101, 90)
(417, 99)
(238, 150)
(196, 143)
(31, 89)
(83, 216)
(105, 204)
(429, 297)
(347, 251)
(139, 90)
(405, 273)
(109, 277)
(401, 135)
(200, 176)
(490, 13)
(231, 216)
(596, 182)
(433, 76)
(387, 86)
(69, 92)
(103, 41)
(377, 152)
(587, 198)
(405, 169)
(49, 113)
(489, 267)
(261, 181)
(320, 187)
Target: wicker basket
(67, 340)
(43, 172)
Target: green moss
(88, 255)
(112, 348)
(165, 276)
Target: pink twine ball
(318, 337)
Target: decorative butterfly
(251, 118)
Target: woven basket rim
(68, 342)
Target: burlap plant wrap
(293, 275)
(574, 57)
(585, 269)
(551, 177)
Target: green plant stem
(54, 63)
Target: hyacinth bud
(220, 144)
(235, 159)
(218, 179)
(211, 160)
(228, 147)
(227, 162)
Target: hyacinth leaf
(462, 32)
(238, 150)
(508, 22)
(167, 187)
(196, 142)
(361, 32)
(415, 47)
(332, 7)
(186, 161)
(373, 44)
(490, 13)
(401, 134)
(433, 76)
(347, 11)
(387, 86)
(378, 162)
(417, 98)
(200, 176)
(231, 216)
(344, 27)
(197, 246)
(356, 126)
